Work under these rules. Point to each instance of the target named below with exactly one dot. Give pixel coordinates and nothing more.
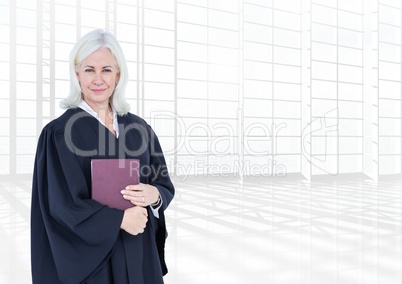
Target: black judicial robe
(75, 239)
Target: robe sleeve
(71, 235)
(160, 178)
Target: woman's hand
(141, 194)
(134, 220)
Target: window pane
(322, 107)
(192, 51)
(257, 108)
(324, 15)
(25, 164)
(350, 38)
(223, 55)
(324, 52)
(350, 74)
(26, 54)
(226, 74)
(5, 145)
(26, 18)
(390, 90)
(390, 108)
(5, 87)
(389, 126)
(258, 14)
(257, 70)
(223, 20)
(287, 55)
(287, 20)
(287, 145)
(223, 91)
(390, 145)
(159, 55)
(26, 127)
(288, 5)
(350, 21)
(227, 5)
(350, 109)
(225, 109)
(390, 34)
(323, 89)
(350, 164)
(326, 71)
(389, 15)
(26, 36)
(158, 19)
(350, 92)
(285, 91)
(350, 56)
(223, 38)
(323, 33)
(4, 126)
(26, 109)
(26, 145)
(287, 109)
(287, 74)
(65, 14)
(192, 89)
(390, 165)
(188, 32)
(257, 89)
(257, 33)
(5, 165)
(287, 38)
(27, 4)
(192, 70)
(93, 19)
(355, 6)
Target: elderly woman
(75, 239)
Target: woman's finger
(134, 187)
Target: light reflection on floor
(260, 231)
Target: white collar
(84, 106)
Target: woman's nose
(98, 79)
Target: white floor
(263, 230)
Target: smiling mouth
(98, 90)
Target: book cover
(109, 177)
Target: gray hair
(87, 45)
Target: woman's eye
(107, 70)
(88, 70)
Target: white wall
(272, 87)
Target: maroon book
(109, 177)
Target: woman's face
(98, 75)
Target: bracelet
(157, 201)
